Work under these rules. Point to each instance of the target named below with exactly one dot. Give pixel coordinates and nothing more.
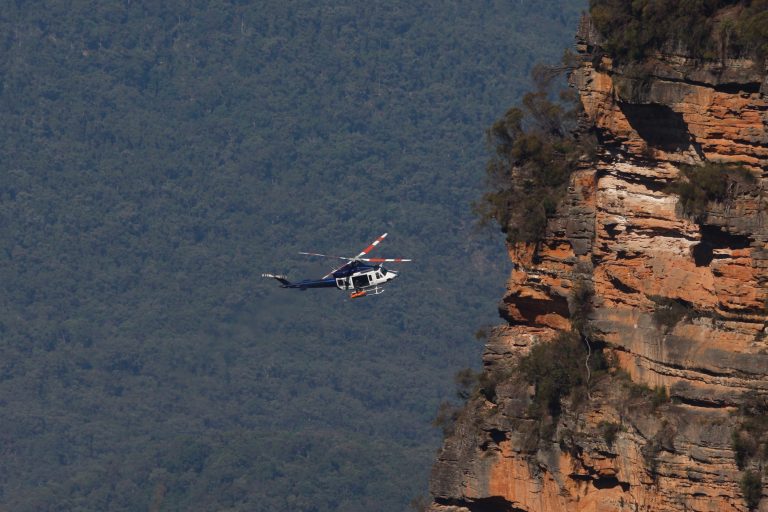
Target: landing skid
(376, 290)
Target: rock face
(622, 230)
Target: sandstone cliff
(622, 230)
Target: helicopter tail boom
(285, 282)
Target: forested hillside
(157, 157)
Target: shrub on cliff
(466, 381)
(753, 27)
(446, 417)
(536, 148)
(752, 488)
(699, 186)
(744, 447)
(484, 382)
(556, 369)
(469, 384)
(749, 439)
(580, 302)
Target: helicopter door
(341, 283)
(361, 281)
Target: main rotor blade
(326, 276)
(356, 258)
(384, 260)
(370, 247)
(326, 255)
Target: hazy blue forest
(157, 157)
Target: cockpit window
(383, 271)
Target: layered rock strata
(621, 229)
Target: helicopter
(361, 276)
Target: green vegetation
(751, 28)
(752, 488)
(699, 186)
(557, 370)
(489, 381)
(566, 365)
(650, 452)
(655, 396)
(445, 419)
(466, 383)
(750, 439)
(707, 29)
(156, 157)
(580, 301)
(482, 333)
(469, 384)
(744, 446)
(536, 148)
(750, 442)
(660, 396)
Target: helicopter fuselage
(357, 275)
(363, 277)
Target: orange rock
(622, 227)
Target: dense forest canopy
(156, 157)
(708, 29)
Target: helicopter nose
(391, 274)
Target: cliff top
(704, 29)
